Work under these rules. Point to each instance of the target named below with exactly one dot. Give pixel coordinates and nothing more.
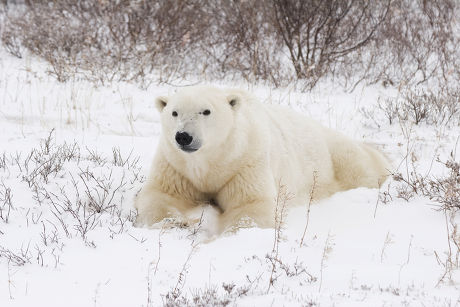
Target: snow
(358, 249)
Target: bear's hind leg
(358, 165)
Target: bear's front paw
(166, 220)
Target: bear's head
(198, 119)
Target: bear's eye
(206, 112)
(174, 113)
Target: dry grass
(77, 193)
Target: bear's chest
(206, 178)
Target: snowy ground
(72, 157)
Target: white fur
(245, 151)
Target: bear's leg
(257, 213)
(153, 206)
(249, 198)
(357, 164)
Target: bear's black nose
(183, 138)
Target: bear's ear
(234, 101)
(161, 102)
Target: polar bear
(223, 147)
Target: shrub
(319, 34)
(416, 44)
(396, 42)
(419, 105)
(106, 40)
